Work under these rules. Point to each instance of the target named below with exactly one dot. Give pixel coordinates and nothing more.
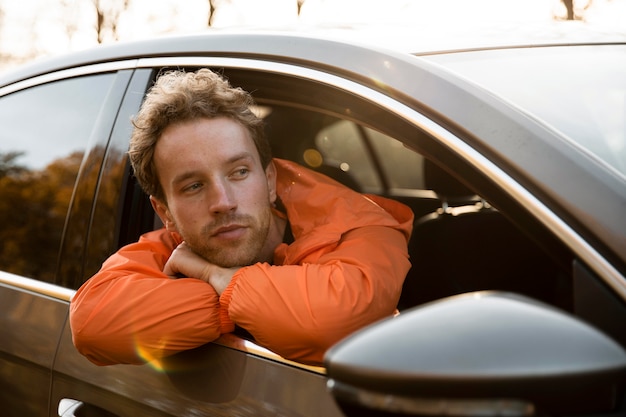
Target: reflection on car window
(44, 134)
(345, 145)
(394, 159)
(587, 102)
(341, 147)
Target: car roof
(311, 43)
(439, 38)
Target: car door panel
(212, 380)
(34, 321)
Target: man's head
(200, 153)
(177, 97)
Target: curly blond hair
(179, 96)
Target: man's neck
(275, 237)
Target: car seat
(467, 245)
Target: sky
(35, 28)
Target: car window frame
(444, 141)
(447, 141)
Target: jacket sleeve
(299, 311)
(130, 312)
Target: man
(291, 256)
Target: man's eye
(240, 173)
(193, 187)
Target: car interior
(460, 243)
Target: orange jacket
(344, 270)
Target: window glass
(395, 159)
(345, 145)
(43, 136)
(583, 90)
(341, 146)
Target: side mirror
(478, 354)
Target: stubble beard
(243, 252)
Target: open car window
(461, 241)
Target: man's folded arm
(299, 311)
(130, 312)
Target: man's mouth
(230, 232)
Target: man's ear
(164, 214)
(270, 175)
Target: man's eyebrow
(185, 176)
(241, 157)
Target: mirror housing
(483, 353)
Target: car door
(52, 129)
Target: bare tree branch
(213, 6)
(574, 10)
(8, 56)
(569, 6)
(107, 18)
(212, 9)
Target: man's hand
(185, 262)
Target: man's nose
(222, 197)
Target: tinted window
(376, 161)
(44, 134)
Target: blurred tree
(8, 57)
(107, 17)
(8, 164)
(104, 239)
(212, 8)
(33, 207)
(79, 217)
(569, 7)
(68, 10)
(300, 4)
(574, 10)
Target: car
(512, 157)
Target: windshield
(578, 90)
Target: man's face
(218, 195)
